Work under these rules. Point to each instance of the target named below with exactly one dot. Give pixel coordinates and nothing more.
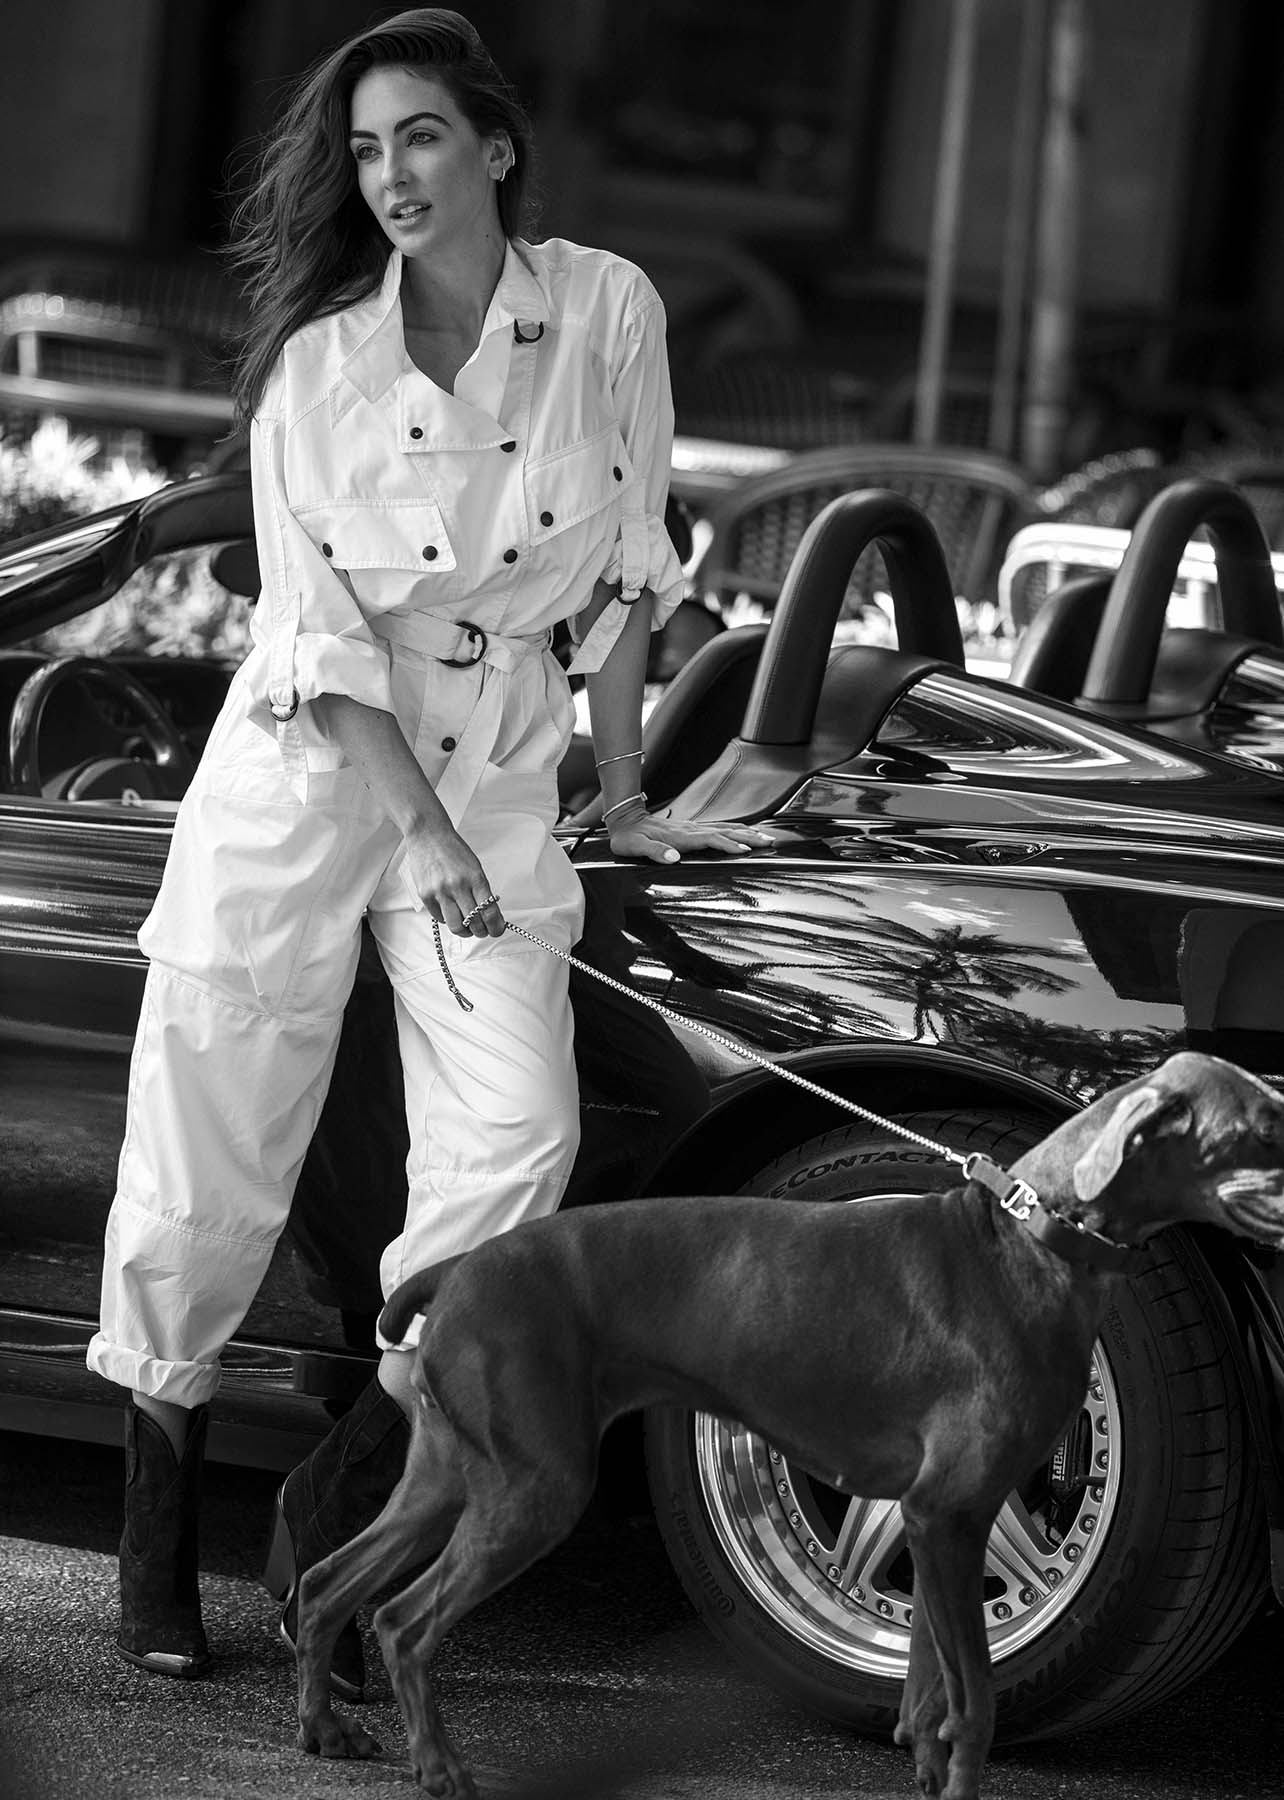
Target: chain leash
(705, 1031)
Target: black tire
(1160, 1561)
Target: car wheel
(1117, 1573)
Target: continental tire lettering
(798, 1179)
(863, 1159)
(720, 1601)
(1071, 1660)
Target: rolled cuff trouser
(254, 943)
(223, 1102)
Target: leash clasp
(1020, 1200)
(1013, 1195)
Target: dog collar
(1065, 1236)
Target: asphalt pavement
(589, 1676)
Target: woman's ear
(502, 156)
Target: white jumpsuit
(398, 526)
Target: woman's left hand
(640, 838)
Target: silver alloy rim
(833, 1571)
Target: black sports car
(983, 908)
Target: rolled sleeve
(313, 635)
(644, 556)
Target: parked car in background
(1107, 640)
(984, 908)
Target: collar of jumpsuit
(379, 358)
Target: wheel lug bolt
(1052, 1577)
(885, 1607)
(812, 1547)
(795, 1518)
(1096, 1493)
(1072, 1552)
(775, 1456)
(858, 1592)
(782, 1487)
(1102, 1459)
(834, 1572)
(1003, 1610)
(1088, 1522)
(1027, 1596)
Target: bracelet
(624, 756)
(608, 810)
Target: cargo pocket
(380, 534)
(572, 485)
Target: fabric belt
(452, 641)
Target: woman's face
(423, 171)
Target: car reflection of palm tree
(950, 976)
(948, 973)
(715, 971)
(1076, 1058)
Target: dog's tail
(415, 1295)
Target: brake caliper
(1070, 1468)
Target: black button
(326, 550)
(448, 743)
(416, 431)
(510, 445)
(618, 474)
(546, 518)
(430, 552)
(510, 556)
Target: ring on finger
(471, 914)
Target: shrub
(54, 476)
(173, 607)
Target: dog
(936, 1350)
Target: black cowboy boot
(332, 1495)
(160, 1602)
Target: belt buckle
(476, 636)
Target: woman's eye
(363, 152)
(423, 137)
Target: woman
(458, 438)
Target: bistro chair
(973, 500)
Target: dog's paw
(929, 1780)
(448, 1780)
(326, 1734)
(931, 1766)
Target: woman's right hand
(438, 869)
(443, 873)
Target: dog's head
(1199, 1141)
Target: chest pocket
(573, 484)
(383, 534)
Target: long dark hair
(303, 239)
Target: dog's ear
(1146, 1112)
